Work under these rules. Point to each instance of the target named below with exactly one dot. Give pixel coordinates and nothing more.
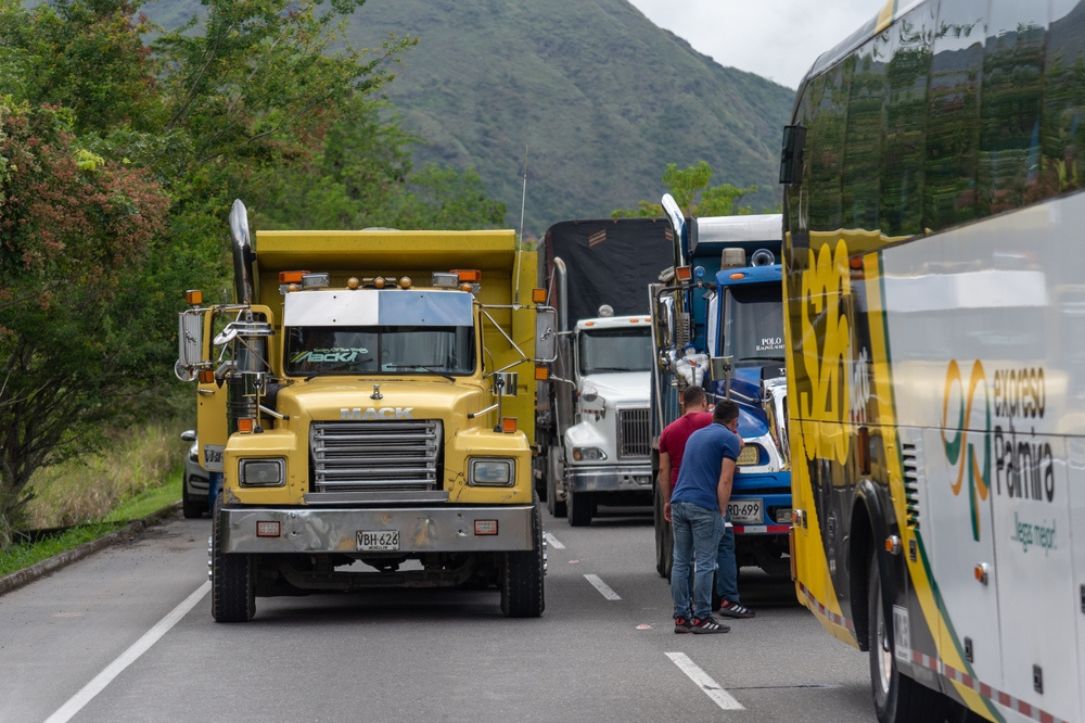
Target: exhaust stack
(242, 252)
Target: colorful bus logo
(959, 448)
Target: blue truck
(717, 321)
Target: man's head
(694, 400)
(726, 413)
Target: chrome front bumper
(428, 529)
(610, 478)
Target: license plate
(378, 540)
(746, 512)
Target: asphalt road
(413, 655)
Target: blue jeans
(696, 540)
(727, 575)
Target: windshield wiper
(429, 368)
(762, 358)
(595, 370)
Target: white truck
(594, 409)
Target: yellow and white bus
(934, 283)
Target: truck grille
(633, 435)
(383, 455)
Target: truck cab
(607, 458)
(718, 323)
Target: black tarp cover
(610, 261)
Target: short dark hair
(725, 412)
(692, 396)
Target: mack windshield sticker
(334, 355)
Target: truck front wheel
(578, 506)
(522, 577)
(233, 594)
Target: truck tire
(579, 508)
(897, 698)
(191, 508)
(554, 506)
(233, 593)
(522, 577)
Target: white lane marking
(138, 648)
(710, 687)
(553, 541)
(605, 590)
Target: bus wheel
(897, 698)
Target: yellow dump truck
(369, 402)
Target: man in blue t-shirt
(698, 508)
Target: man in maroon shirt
(672, 443)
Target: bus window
(953, 115)
(906, 123)
(1011, 97)
(863, 140)
(1063, 136)
(825, 144)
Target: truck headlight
(750, 456)
(491, 472)
(262, 472)
(590, 454)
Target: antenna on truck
(520, 238)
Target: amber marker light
(508, 425)
(194, 297)
(353, 282)
(291, 277)
(246, 424)
(737, 275)
(473, 276)
(538, 296)
(542, 374)
(206, 376)
(404, 282)
(467, 287)
(379, 282)
(683, 273)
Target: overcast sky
(777, 39)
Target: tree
(73, 226)
(692, 191)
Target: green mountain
(601, 98)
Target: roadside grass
(100, 493)
(89, 488)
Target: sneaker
(734, 610)
(707, 626)
(681, 625)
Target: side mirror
(189, 344)
(189, 435)
(504, 383)
(546, 335)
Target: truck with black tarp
(593, 410)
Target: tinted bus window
(906, 123)
(1063, 140)
(1009, 161)
(953, 114)
(825, 147)
(863, 138)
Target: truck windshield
(317, 350)
(615, 350)
(753, 327)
